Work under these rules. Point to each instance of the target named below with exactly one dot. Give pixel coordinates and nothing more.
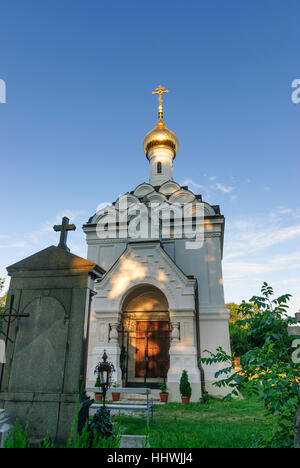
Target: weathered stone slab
(295, 331)
(45, 366)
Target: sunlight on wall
(162, 276)
(129, 271)
(145, 298)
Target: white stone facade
(186, 277)
(160, 285)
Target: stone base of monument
(46, 413)
(4, 427)
(133, 441)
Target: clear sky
(79, 76)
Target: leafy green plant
(99, 433)
(268, 368)
(184, 386)
(162, 386)
(265, 318)
(102, 423)
(206, 398)
(88, 438)
(239, 341)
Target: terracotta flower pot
(98, 396)
(116, 396)
(185, 400)
(164, 397)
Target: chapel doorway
(152, 349)
(145, 337)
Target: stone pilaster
(183, 354)
(106, 338)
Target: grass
(233, 424)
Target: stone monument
(47, 350)
(295, 331)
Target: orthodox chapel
(160, 303)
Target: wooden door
(152, 349)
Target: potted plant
(185, 388)
(163, 391)
(98, 396)
(115, 395)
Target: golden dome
(160, 135)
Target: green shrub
(102, 423)
(206, 398)
(184, 386)
(163, 386)
(238, 339)
(268, 368)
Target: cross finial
(160, 90)
(63, 229)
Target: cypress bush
(185, 387)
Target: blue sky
(79, 76)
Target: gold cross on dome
(160, 90)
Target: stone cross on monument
(8, 316)
(63, 229)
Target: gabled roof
(55, 258)
(145, 262)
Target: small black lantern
(104, 371)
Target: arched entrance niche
(145, 337)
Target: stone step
(134, 398)
(138, 396)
